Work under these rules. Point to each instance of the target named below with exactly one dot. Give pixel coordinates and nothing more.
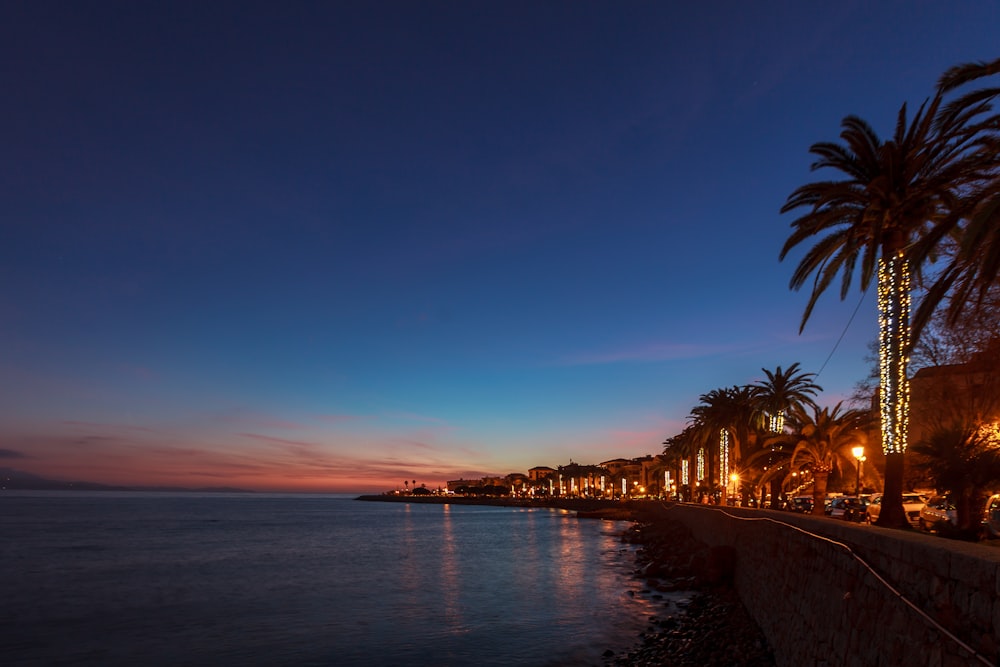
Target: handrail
(892, 589)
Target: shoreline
(586, 505)
(713, 630)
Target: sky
(333, 246)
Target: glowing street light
(859, 454)
(735, 479)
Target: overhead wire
(844, 332)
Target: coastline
(585, 507)
(713, 629)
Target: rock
(713, 629)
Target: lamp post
(735, 479)
(859, 454)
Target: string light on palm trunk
(776, 422)
(894, 339)
(723, 454)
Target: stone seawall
(828, 592)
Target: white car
(912, 504)
(991, 518)
(938, 512)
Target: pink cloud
(256, 420)
(305, 453)
(113, 427)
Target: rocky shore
(713, 629)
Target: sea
(134, 578)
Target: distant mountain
(20, 480)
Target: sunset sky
(332, 246)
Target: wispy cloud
(11, 454)
(412, 417)
(112, 427)
(414, 443)
(649, 352)
(93, 440)
(298, 448)
(255, 420)
(341, 419)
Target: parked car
(938, 511)
(991, 517)
(848, 508)
(803, 504)
(912, 504)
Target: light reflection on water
(158, 579)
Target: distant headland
(11, 480)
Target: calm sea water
(251, 579)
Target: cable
(844, 332)
(892, 589)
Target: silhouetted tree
(974, 265)
(893, 191)
(821, 441)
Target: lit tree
(893, 192)
(782, 391)
(821, 441)
(724, 421)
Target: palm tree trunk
(820, 478)
(775, 494)
(892, 514)
(894, 341)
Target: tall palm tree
(724, 419)
(822, 442)
(774, 398)
(974, 265)
(680, 450)
(894, 190)
(781, 391)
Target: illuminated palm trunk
(821, 475)
(894, 394)
(894, 339)
(724, 463)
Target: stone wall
(813, 586)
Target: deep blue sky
(333, 246)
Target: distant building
(456, 484)
(539, 473)
(947, 395)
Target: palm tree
(724, 420)
(894, 190)
(680, 449)
(783, 390)
(774, 398)
(963, 461)
(974, 265)
(821, 442)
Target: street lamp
(735, 479)
(859, 454)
